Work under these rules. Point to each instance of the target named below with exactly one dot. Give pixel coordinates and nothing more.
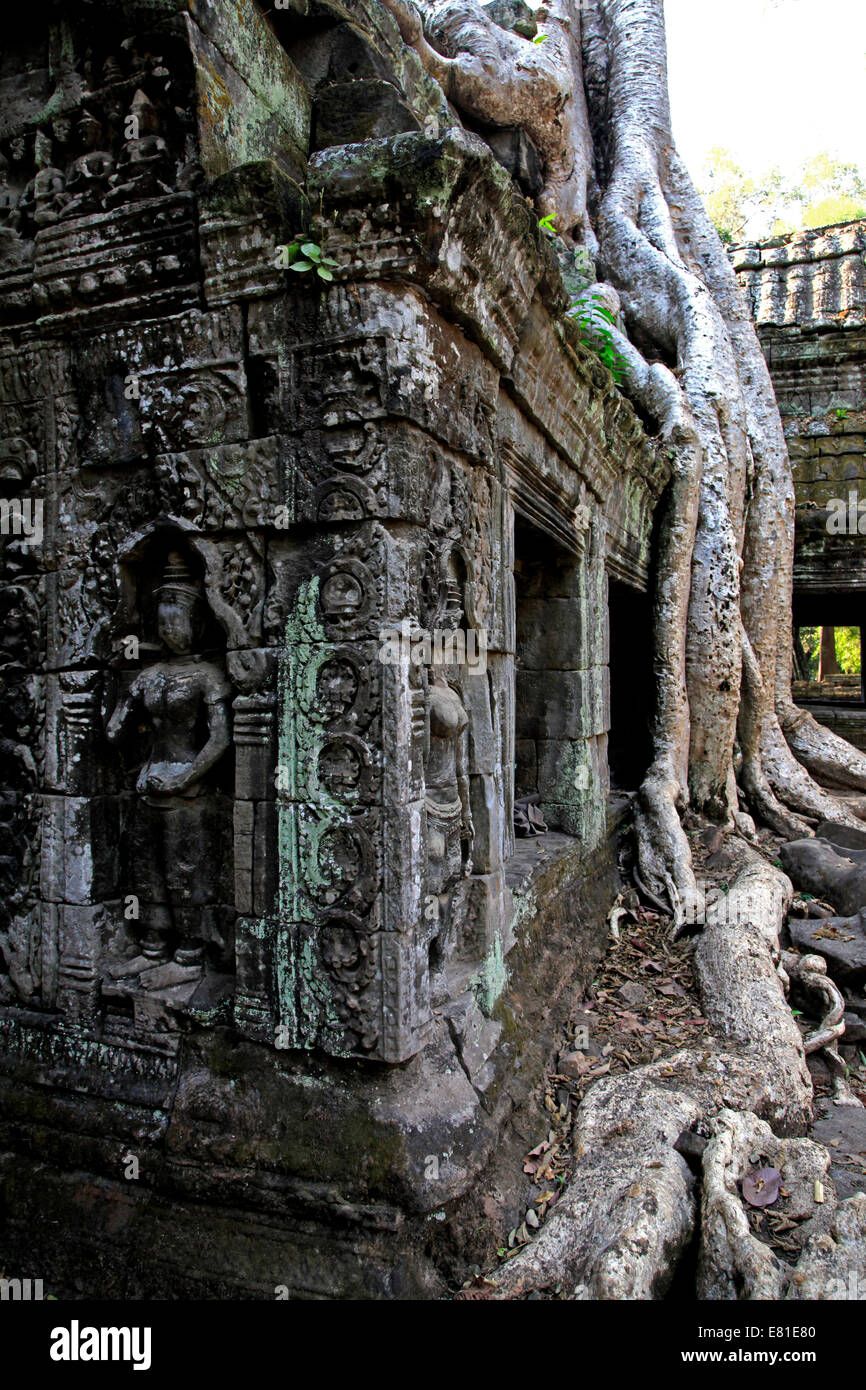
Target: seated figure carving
(90, 173)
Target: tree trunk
(827, 663)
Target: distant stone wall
(807, 294)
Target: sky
(774, 81)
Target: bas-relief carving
(90, 173)
(449, 829)
(329, 807)
(91, 202)
(291, 809)
(115, 148)
(448, 818)
(358, 943)
(22, 730)
(177, 822)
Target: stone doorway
(829, 673)
(631, 685)
(551, 685)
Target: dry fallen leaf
(761, 1186)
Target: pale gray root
(665, 278)
(855, 802)
(810, 972)
(826, 756)
(768, 545)
(842, 1093)
(503, 79)
(668, 305)
(733, 1263)
(790, 780)
(753, 705)
(664, 873)
(664, 860)
(639, 254)
(628, 1211)
(743, 994)
(833, 1265)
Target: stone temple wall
(299, 573)
(807, 294)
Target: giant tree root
(810, 972)
(734, 1263)
(501, 79)
(629, 1211)
(829, 758)
(833, 1265)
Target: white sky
(772, 80)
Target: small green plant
(597, 335)
(595, 320)
(540, 38)
(303, 256)
(842, 413)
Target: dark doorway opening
(829, 675)
(631, 685)
(829, 665)
(548, 657)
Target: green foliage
(596, 321)
(540, 38)
(810, 641)
(847, 649)
(831, 191)
(730, 195)
(594, 318)
(304, 256)
(824, 190)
